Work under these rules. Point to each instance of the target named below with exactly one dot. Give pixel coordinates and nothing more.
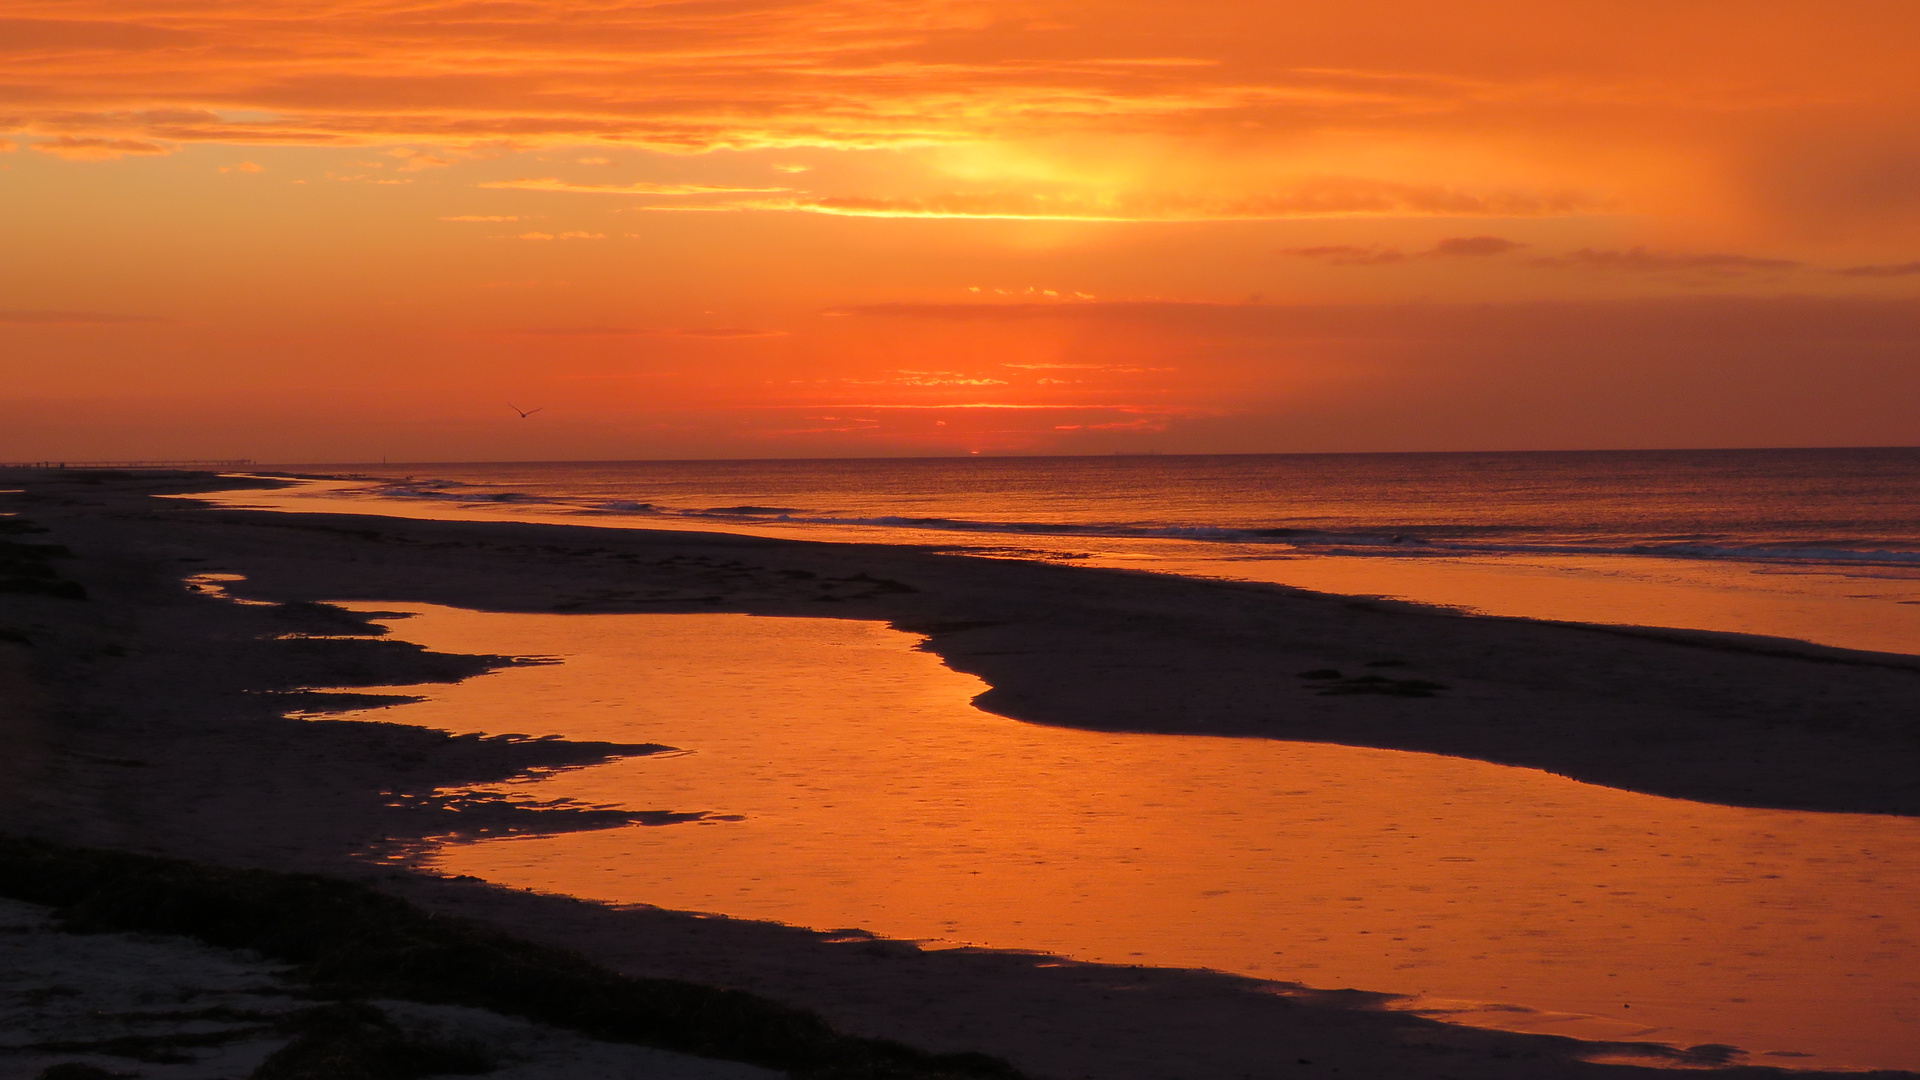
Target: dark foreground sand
(151, 717)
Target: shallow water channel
(852, 784)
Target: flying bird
(524, 413)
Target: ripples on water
(1845, 506)
(872, 794)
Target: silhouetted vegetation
(350, 942)
(354, 1041)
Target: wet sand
(169, 711)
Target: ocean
(1821, 545)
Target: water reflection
(873, 795)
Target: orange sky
(343, 230)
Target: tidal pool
(864, 790)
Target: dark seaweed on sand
(1380, 684)
(352, 943)
(1333, 684)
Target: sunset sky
(337, 231)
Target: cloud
(8, 146)
(577, 235)
(551, 183)
(941, 378)
(712, 332)
(1882, 271)
(1347, 255)
(97, 35)
(767, 73)
(1639, 260)
(1723, 318)
(1475, 246)
(245, 167)
(1312, 197)
(413, 159)
(72, 318)
(481, 217)
(74, 148)
(1660, 110)
(1452, 247)
(1009, 406)
(1143, 426)
(1662, 106)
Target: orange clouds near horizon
(771, 228)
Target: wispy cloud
(78, 148)
(1348, 254)
(1715, 317)
(767, 73)
(414, 159)
(943, 378)
(713, 332)
(1451, 247)
(1642, 261)
(1315, 197)
(1502, 109)
(551, 183)
(1474, 247)
(1066, 367)
(1141, 425)
(72, 318)
(1884, 270)
(1010, 406)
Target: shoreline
(1819, 603)
(147, 750)
(1123, 647)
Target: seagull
(524, 413)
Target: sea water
(849, 782)
(1820, 545)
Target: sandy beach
(170, 712)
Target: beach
(182, 709)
